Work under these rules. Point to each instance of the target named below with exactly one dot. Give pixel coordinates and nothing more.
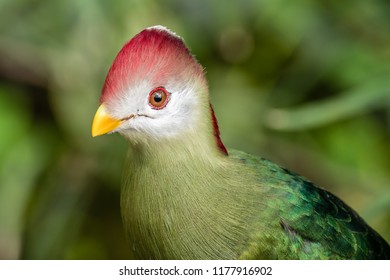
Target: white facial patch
(179, 115)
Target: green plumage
(312, 223)
(179, 205)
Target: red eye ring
(158, 98)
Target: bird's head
(155, 89)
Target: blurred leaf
(23, 161)
(356, 101)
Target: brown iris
(158, 98)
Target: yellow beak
(103, 122)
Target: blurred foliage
(303, 83)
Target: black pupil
(157, 97)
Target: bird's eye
(158, 98)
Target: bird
(184, 195)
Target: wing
(311, 223)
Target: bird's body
(185, 197)
(241, 207)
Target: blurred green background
(303, 83)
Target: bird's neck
(176, 194)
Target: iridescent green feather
(313, 223)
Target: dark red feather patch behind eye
(217, 136)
